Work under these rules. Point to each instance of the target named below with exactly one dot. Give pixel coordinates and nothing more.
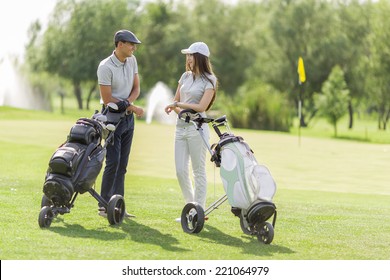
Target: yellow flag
(301, 71)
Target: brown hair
(202, 67)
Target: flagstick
(301, 80)
(299, 121)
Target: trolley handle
(190, 115)
(187, 114)
(221, 120)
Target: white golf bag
(244, 180)
(249, 186)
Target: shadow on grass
(136, 231)
(144, 234)
(252, 247)
(78, 231)
(353, 138)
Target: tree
(306, 28)
(163, 30)
(253, 40)
(79, 35)
(232, 33)
(354, 24)
(333, 102)
(378, 60)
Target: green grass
(333, 199)
(365, 129)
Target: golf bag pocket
(262, 181)
(64, 161)
(58, 188)
(237, 164)
(87, 176)
(83, 134)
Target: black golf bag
(76, 164)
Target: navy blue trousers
(117, 157)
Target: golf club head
(113, 106)
(101, 118)
(110, 127)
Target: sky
(15, 19)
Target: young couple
(119, 83)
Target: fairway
(332, 198)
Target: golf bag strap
(230, 140)
(90, 122)
(221, 143)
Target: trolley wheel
(265, 233)
(46, 201)
(244, 225)
(192, 218)
(116, 209)
(46, 216)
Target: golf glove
(122, 105)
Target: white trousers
(189, 145)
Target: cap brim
(186, 51)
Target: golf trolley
(249, 187)
(75, 165)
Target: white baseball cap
(197, 47)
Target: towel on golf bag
(244, 180)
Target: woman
(196, 90)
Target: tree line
(255, 46)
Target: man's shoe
(102, 212)
(128, 215)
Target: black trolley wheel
(265, 233)
(192, 218)
(46, 216)
(116, 209)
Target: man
(119, 83)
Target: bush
(257, 106)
